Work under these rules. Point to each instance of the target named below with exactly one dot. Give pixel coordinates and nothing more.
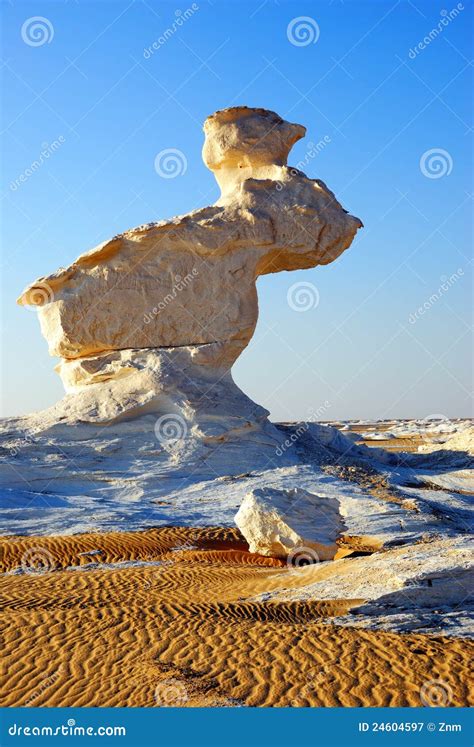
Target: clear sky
(83, 89)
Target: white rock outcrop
(290, 523)
(461, 440)
(189, 282)
(426, 587)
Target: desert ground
(187, 616)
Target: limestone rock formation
(188, 283)
(290, 523)
(147, 327)
(424, 587)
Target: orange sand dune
(180, 631)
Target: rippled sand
(174, 629)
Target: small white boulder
(293, 524)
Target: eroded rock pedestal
(148, 325)
(153, 319)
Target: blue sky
(363, 351)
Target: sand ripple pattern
(116, 637)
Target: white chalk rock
(149, 323)
(191, 280)
(425, 587)
(290, 523)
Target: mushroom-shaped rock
(190, 281)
